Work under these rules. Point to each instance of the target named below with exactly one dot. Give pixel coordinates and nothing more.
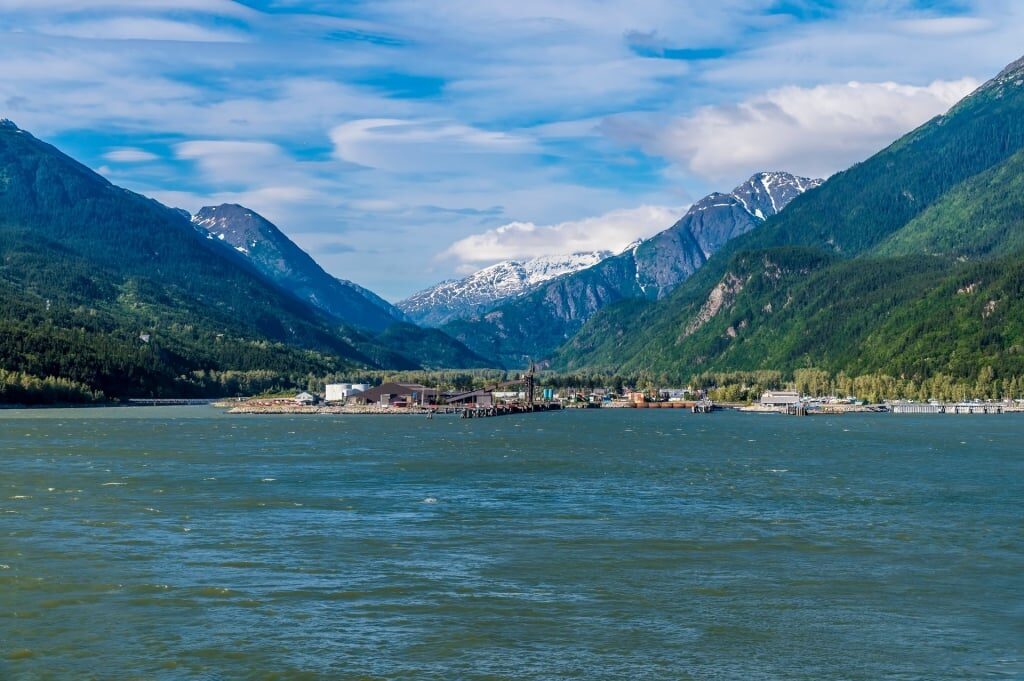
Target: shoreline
(326, 409)
(234, 407)
(183, 402)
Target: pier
(507, 409)
(952, 408)
(697, 407)
(150, 402)
(827, 409)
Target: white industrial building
(339, 392)
(780, 398)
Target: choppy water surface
(181, 543)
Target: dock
(953, 408)
(696, 407)
(152, 402)
(508, 409)
(459, 411)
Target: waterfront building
(780, 398)
(473, 398)
(396, 394)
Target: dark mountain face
(49, 201)
(87, 269)
(395, 343)
(114, 292)
(667, 259)
(535, 324)
(277, 257)
(838, 280)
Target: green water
(180, 543)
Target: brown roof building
(391, 394)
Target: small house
(637, 397)
(306, 399)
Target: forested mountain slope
(843, 278)
(115, 293)
(535, 324)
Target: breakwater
(268, 407)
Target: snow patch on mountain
(647, 268)
(277, 257)
(491, 286)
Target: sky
(402, 143)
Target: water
(180, 543)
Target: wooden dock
(507, 409)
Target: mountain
(106, 291)
(118, 293)
(487, 288)
(979, 218)
(277, 257)
(909, 263)
(534, 325)
(396, 342)
(667, 259)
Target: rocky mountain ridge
(487, 288)
(280, 259)
(533, 325)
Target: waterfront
(179, 543)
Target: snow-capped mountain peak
(280, 259)
(488, 287)
(650, 268)
(765, 194)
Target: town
(522, 395)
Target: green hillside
(119, 294)
(432, 348)
(784, 309)
(890, 266)
(860, 207)
(981, 217)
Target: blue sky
(405, 142)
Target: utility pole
(529, 381)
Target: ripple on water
(638, 544)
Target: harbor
(1009, 407)
(466, 412)
(522, 396)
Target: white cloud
(495, 116)
(230, 161)
(421, 146)
(611, 231)
(946, 26)
(259, 175)
(141, 28)
(197, 149)
(130, 155)
(812, 131)
(211, 6)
